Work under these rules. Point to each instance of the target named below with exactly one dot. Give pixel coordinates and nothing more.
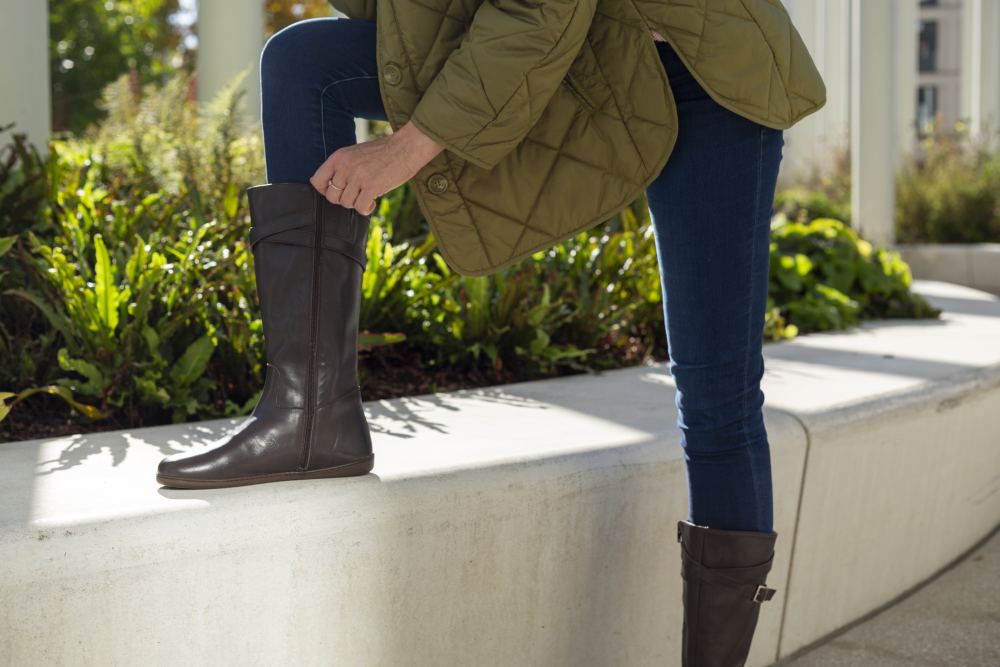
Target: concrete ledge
(974, 265)
(526, 524)
(903, 469)
(531, 523)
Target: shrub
(25, 339)
(142, 272)
(823, 276)
(135, 299)
(949, 191)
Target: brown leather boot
(309, 256)
(724, 573)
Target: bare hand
(371, 168)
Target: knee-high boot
(724, 574)
(309, 256)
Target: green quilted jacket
(556, 114)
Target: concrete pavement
(952, 621)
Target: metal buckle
(763, 593)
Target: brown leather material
(309, 422)
(724, 573)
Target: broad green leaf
(89, 411)
(59, 322)
(192, 363)
(4, 408)
(96, 380)
(105, 291)
(366, 339)
(152, 341)
(231, 203)
(6, 243)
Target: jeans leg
(316, 76)
(711, 207)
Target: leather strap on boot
(692, 569)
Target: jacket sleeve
(495, 84)
(355, 9)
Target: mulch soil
(384, 372)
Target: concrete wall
(971, 264)
(526, 524)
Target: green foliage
(949, 192)
(93, 43)
(536, 317)
(24, 337)
(803, 203)
(142, 275)
(823, 276)
(135, 299)
(22, 184)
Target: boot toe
(176, 468)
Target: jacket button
(391, 74)
(437, 183)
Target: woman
(520, 124)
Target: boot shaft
(724, 574)
(309, 259)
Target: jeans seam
(322, 108)
(746, 363)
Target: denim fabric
(316, 76)
(711, 207)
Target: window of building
(928, 46)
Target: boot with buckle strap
(724, 574)
(309, 257)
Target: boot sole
(352, 469)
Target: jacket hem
(600, 218)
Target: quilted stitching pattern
(609, 128)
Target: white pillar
(906, 27)
(800, 154)
(981, 65)
(873, 133)
(824, 26)
(25, 81)
(230, 38)
(835, 53)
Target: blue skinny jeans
(710, 207)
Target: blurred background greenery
(93, 43)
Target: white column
(800, 154)
(25, 82)
(981, 65)
(230, 38)
(836, 68)
(906, 26)
(873, 132)
(824, 26)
